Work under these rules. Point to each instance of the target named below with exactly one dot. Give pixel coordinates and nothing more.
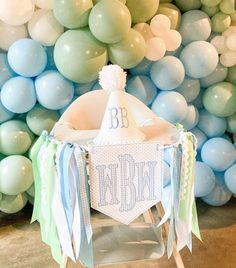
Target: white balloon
(172, 39)
(219, 43)
(44, 28)
(9, 34)
(155, 49)
(231, 42)
(228, 59)
(44, 4)
(160, 24)
(144, 29)
(16, 12)
(229, 31)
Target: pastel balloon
(53, 90)
(172, 40)
(230, 178)
(18, 94)
(144, 29)
(218, 153)
(50, 62)
(210, 11)
(218, 75)
(171, 106)
(31, 190)
(195, 26)
(155, 48)
(40, 118)
(16, 174)
(44, 4)
(227, 6)
(81, 89)
(191, 118)
(96, 1)
(217, 197)
(79, 56)
(220, 22)
(230, 30)
(16, 12)
(231, 76)
(5, 70)
(9, 34)
(27, 57)
(13, 203)
(189, 88)
(186, 5)
(142, 10)
(233, 19)
(167, 73)
(228, 58)
(109, 21)
(172, 12)
(72, 13)
(201, 137)
(142, 87)
(210, 3)
(204, 179)
(129, 52)
(199, 58)
(231, 123)
(219, 43)
(15, 137)
(219, 99)
(160, 24)
(210, 124)
(44, 28)
(231, 42)
(5, 115)
(142, 68)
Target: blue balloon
(50, 58)
(210, 124)
(218, 153)
(204, 179)
(217, 197)
(198, 101)
(142, 87)
(171, 106)
(53, 90)
(166, 174)
(200, 136)
(5, 115)
(142, 68)
(18, 94)
(230, 178)
(5, 70)
(96, 86)
(191, 118)
(167, 73)
(190, 88)
(220, 180)
(27, 57)
(81, 89)
(199, 58)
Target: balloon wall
(180, 57)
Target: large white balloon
(160, 24)
(44, 28)
(45, 4)
(16, 12)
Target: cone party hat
(118, 125)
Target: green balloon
(233, 19)
(220, 99)
(72, 13)
(210, 3)
(16, 174)
(1, 195)
(15, 137)
(13, 203)
(109, 21)
(220, 22)
(96, 1)
(142, 10)
(227, 6)
(40, 118)
(172, 12)
(31, 190)
(210, 11)
(79, 56)
(186, 5)
(231, 76)
(129, 52)
(231, 123)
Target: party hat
(118, 125)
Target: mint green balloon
(227, 6)
(231, 123)
(109, 21)
(210, 11)
(220, 99)
(220, 22)
(15, 137)
(40, 118)
(129, 52)
(31, 190)
(13, 203)
(96, 1)
(72, 13)
(210, 3)
(79, 56)
(231, 77)
(16, 174)
(142, 10)
(186, 5)
(172, 12)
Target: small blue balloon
(218, 153)
(230, 178)
(142, 68)
(167, 73)
(50, 58)
(5, 115)
(191, 118)
(198, 101)
(81, 89)
(18, 94)
(142, 87)
(166, 174)
(190, 88)
(53, 90)
(204, 179)
(171, 106)
(200, 136)
(210, 124)
(27, 57)
(217, 197)
(220, 180)
(5, 70)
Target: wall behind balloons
(181, 61)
